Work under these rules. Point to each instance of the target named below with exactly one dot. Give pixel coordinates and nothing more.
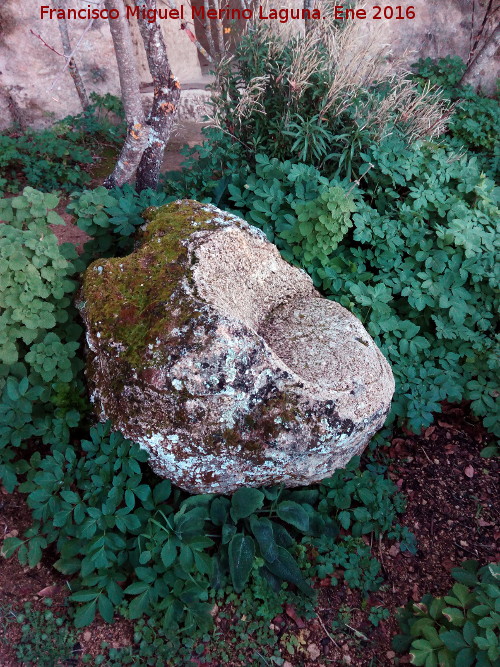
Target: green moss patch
(128, 300)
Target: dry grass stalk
(350, 59)
(419, 113)
(308, 60)
(250, 98)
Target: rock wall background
(31, 78)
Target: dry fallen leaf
(394, 550)
(290, 611)
(313, 651)
(48, 591)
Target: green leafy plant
(303, 213)
(459, 629)
(111, 217)
(139, 545)
(417, 266)
(46, 639)
(378, 614)
(354, 557)
(38, 335)
(475, 122)
(43, 159)
(102, 122)
(285, 99)
(55, 158)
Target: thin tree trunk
(208, 30)
(308, 4)
(167, 93)
(72, 66)
(192, 37)
(219, 31)
(138, 132)
(483, 60)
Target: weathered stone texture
(34, 76)
(221, 359)
(32, 73)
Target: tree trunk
(167, 92)
(483, 60)
(208, 31)
(219, 29)
(138, 132)
(73, 69)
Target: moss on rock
(131, 300)
(216, 356)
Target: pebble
(87, 636)
(313, 651)
(12, 533)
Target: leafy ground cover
(63, 156)
(400, 226)
(452, 508)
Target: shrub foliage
(460, 629)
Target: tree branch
(35, 34)
(482, 60)
(72, 66)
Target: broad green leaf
(286, 568)
(10, 545)
(105, 607)
(139, 605)
(245, 501)
(422, 653)
(454, 615)
(453, 640)
(85, 615)
(263, 532)
(294, 514)
(465, 658)
(168, 553)
(84, 596)
(241, 553)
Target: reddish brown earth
(452, 509)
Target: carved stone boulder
(223, 361)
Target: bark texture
(68, 54)
(167, 92)
(138, 132)
(483, 60)
(220, 31)
(208, 30)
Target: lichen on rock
(223, 361)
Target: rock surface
(222, 360)
(32, 74)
